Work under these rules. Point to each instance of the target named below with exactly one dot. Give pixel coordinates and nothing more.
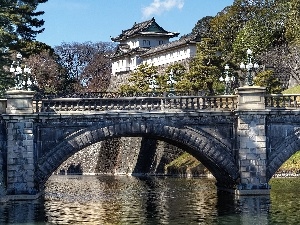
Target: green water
(130, 200)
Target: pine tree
(204, 69)
(19, 26)
(140, 79)
(266, 79)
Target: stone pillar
(251, 141)
(19, 102)
(20, 144)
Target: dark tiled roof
(182, 41)
(139, 28)
(123, 50)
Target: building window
(146, 43)
(160, 42)
(132, 61)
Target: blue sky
(98, 20)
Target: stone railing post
(251, 141)
(19, 102)
(19, 120)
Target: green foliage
(293, 22)
(202, 27)
(19, 20)
(185, 160)
(293, 90)
(263, 30)
(139, 80)
(19, 25)
(267, 79)
(228, 23)
(292, 164)
(178, 71)
(186, 164)
(204, 68)
(257, 25)
(255, 35)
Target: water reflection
(285, 201)
(242, 209)
(20, 212)
(130, 200)
(126, 200)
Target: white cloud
(157, 7)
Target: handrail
(187, 103)
(282, 101)
(40, 95)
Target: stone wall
(122, 78)
(2, 157)
(252, 150)
(130, 155)
(20, 156)
(2, 179)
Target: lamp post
(249, 67)
(228, 80)
(23, 77)
(153, 84)
(171, 81)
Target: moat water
(153, 200)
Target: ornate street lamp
(249, 67)
(228, 80)
(153, 84)
(171, 81)
(23, 77)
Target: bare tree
(292, 61)
(86, 64)
(46, 72)
(284, 60)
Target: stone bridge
(241, 139)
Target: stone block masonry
(20, 154)
(19, 120)
(252, 150)
(120, 156)
(251, 139)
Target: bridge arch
(283, 152)
(213, 154)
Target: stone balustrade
(137, 103)
(282, 101)
(109, 101)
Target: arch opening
(283, 153)
(209, 152)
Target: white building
(147, 42)
(173, 52)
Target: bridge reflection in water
(127, 200)
(241, 139)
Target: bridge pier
(19, 119)
(251, 141)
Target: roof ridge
(140, 28)
(183, 40)
(144, 22)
